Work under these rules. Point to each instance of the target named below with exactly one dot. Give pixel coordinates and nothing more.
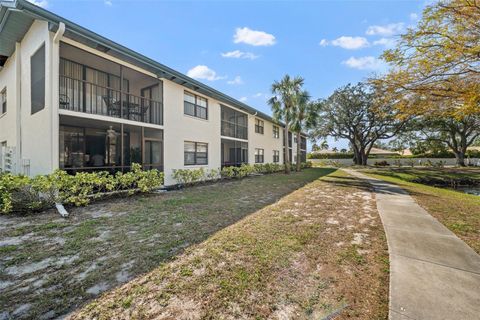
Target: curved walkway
(433, 274)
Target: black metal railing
(82, 96)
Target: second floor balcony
(83, 96)
(234, 123)
(92, 84)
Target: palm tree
(324, 145)
(304, 118)
(285, 94)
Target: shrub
(227, 172)
(21, 193)
(382, 163)
(307, 164)
(213, 175)
(243, 171)
(187, 177)
(439, 164)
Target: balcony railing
(82, 96)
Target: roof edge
(41, 13)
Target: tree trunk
(356, 155)
(299, 160)
(460, 158)
(286, 153)
(364, 158)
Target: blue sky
(240, 48)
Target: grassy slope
(458, 211)
(303, 257)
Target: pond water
(475, 190)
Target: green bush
(382, 163)
(188, 177)
(228, 172)
(24, 194)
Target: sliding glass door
(98, 146)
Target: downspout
(18, 85)
(59, 34)
(55, 102)
(55, 94)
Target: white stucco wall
(37, 129)
(8, 121)
(180, 128)
(264, 141)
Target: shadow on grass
(381, 187)
(54, 265)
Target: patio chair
(113, 106)
(64, 101)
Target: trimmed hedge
(24, 194)
(188, 177)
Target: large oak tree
(356, 113)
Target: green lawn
(432, 176)
(305, 256)
(50, 265)
(458, 211)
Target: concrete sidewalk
(433, 274)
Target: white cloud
(323, 42)
(40, 3)
(387, 42)
(365, 63)
(350, 43)
(243, 99)
(203, 72)
(108, 2)
(413, 16)
(253, 37)
(385, 30)
(236, 80)
(258, 95)
(239, 55)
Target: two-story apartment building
(72, 99)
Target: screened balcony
(92, 145)
(234, 123)
(94, 85)
(234, 153)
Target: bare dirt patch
(49, 266)
(285, 261)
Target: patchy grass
(50, 266)
(433, 176)
(317, 251)
(458, 211)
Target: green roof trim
(17, 16)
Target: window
(294, 139)
(195, 105)
(258, 155)
(3, 101)
(37, 80)
(276, 156)
(258, 126)
(276, 132)
(195, 153)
